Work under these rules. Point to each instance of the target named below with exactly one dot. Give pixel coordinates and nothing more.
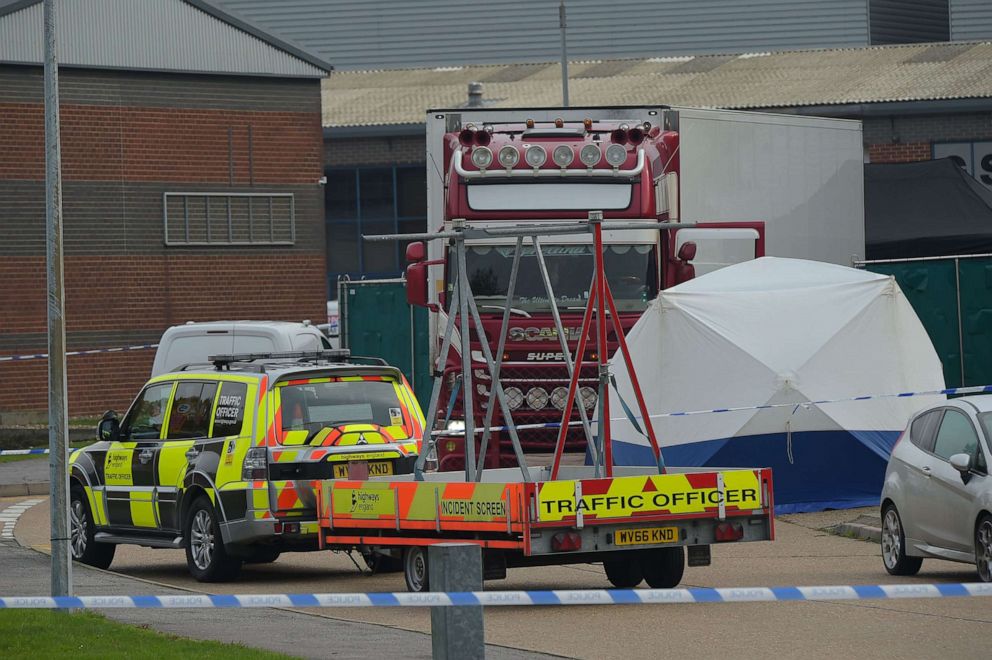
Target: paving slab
(27, 477)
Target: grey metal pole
(57, 393)
(456, 632)
(467, 386)
(564, 55)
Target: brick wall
(127, 138)
(902, 139)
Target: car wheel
(206, 556)
(83, 547)
(983, 547)
(894, 545)
(415, 569)
(663, 568)
(624, 571)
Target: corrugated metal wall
(909, 21)
(160, 35)
(971, 20)
(361, 34)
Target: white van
(193, 343)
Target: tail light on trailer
(566, 542)
(727, 531)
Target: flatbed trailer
(634, 519)
(638, 521)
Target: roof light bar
(585, 155)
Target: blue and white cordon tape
(94, 351)
(977, 389)
(509, 598)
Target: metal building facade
(356, 34)
(162, 36)
(971, 20)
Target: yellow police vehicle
(221, 458)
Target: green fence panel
(930, 287)
(377, 321)
(976, 319)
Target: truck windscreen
(630, 268)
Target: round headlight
(537, 398)
(590, 155)
(482, 157)
(535, 156)
(588, 397)
(509, 156)
(558, 397)
(514, 397)
(616, 155)
(563, 155)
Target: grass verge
(58, 634)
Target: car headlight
(536, 156)
(482, 157)
(559, 396)
(563, 155)
(589, 397)
(537, 398)
(456, 425)
(509, 156)
(514, 397)
(590, 155)
(616, 155)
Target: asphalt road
(802, 555)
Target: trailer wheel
(663, 568)
(415, 569)
(624, 572)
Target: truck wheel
(624, 572)
(415, 569)
(379, 562)
(894, 545)
(206, 556)
(81, 531)
(663, 567)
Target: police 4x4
(220, 459)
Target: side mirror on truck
(416, 274)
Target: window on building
(371, 200)
(234, 218)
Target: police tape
(94, 351)
(509, 598)
(977, 389)
(22, 452)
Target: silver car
(937, 497)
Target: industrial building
(192, 159)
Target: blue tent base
(827, 470)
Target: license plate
(376, 469)
(646, 536)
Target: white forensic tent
(773, 331)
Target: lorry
(727, 177)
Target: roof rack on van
(336, 355)
(330, 355)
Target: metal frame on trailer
(463, 311)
